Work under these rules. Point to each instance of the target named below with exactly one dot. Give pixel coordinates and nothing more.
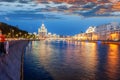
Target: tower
(42, 31)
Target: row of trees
(14, 32)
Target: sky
(63, 17)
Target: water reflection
(83, 58)
(33, 70)
(113, 61)
(74, 60)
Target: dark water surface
(53, 60)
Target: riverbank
(10, 64)
(100, 41)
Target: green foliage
(12, 31)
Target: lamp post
(12, 33)
(25, 35)
(17, 35)
(20, 34)
(9, 34)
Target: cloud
(89, 5)
(7, 18)
(21, 1)
(115, 13)
(7, 0)
(83, 8)
(31, 16)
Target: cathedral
(42, 32)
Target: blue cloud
(89, 5)
(30, 6)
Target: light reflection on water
(71, 61)
(113, 61)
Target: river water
(61, 60)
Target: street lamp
(20, 34)
(9, 35)
(17, 35)
(12, 33)
(25, 35)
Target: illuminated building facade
(42, 32)
(91, 29)
(104, 32)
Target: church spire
(42, 31)
(43, 23)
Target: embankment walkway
(10, 64)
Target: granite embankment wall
(10, 64)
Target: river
(67, 60)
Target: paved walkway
(10, 64)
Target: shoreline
(95, 41)
(101, 41)
(22, 63)
(11, 64)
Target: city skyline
(64, 17)
(59, 39)
(44, 33)
(65, 29)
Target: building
(108, 27)
(49, 35)
(91, 29)
(42, 32)
(103, 32)
(35, 33)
